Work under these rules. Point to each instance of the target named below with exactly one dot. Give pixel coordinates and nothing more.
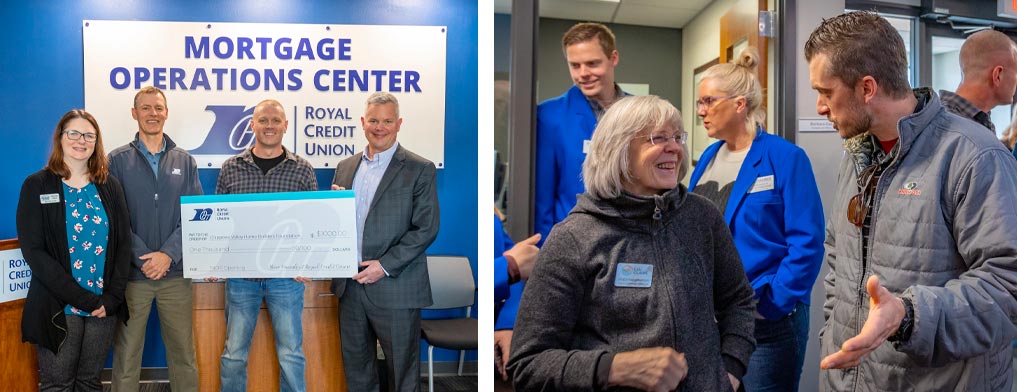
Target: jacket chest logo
(910, 189)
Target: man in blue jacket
(155, 173)
(565, 124)
(512, 265)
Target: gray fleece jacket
(573, 316)
(154, 203)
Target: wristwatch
(904, 330)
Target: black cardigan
(42, 233)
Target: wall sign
(16, 275)
(214, 74)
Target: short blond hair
(606, 166)
(149, 90)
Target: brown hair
(98, 168)
(860, 44)
(147, 90)
(583, 32)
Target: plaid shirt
(239, 174)
(960, 106)
(598, 109)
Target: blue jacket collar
(746, 175)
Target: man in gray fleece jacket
(921, 244)
(155, 173)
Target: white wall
(946, 70)
(700, 44)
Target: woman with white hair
(764, 187)
(640, 286)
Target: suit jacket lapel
(346, 178)
(746, 177)
(580, 106)
(390, 174)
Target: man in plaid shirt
(265, 167)
(988, 62)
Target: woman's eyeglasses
(75, 135)
(707, 102)
(662, 138)
(858, 206)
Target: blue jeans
(779, 343)
(285, 300)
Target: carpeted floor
(466, 383)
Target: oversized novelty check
(269, 235)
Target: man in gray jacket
(920, 242)
(155, 173)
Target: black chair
(451, 287)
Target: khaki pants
(174, 299)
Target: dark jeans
(80, 359)
(776, 365)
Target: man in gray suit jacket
(397, 219)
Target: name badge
(586, 146)
(49, 198)
(633, 275)
(763, 183)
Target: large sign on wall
(214, 74)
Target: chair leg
(430, 368)
(462, 357)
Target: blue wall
(42, 77)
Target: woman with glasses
(75, 234)
(765, 189)
(640, 286)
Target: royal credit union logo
(201, 215)
(230, 133)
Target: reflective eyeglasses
(858, 206)
(75, 135)
(663, 138)
(708, 101)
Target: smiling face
(840, 103)
(591, 69)
(77, 151)
(151, 112)
(381, 125)
(653, 167)
(269, 125)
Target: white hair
(381, 98)
(607, 165)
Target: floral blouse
(87, 236)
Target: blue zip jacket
(564, 125)
(779, 232)
(155, 202)
(506, 296)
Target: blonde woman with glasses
(764, 187)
